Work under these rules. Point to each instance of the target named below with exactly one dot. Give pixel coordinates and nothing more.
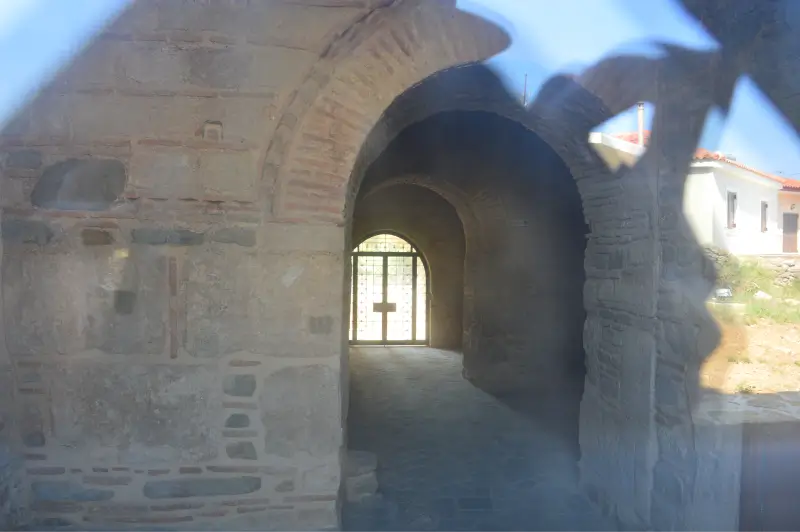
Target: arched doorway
(389, 294)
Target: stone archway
(308, 165)
(622, 250)
(215, 256)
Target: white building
(729, 205)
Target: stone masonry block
(172, 237)
(323, 478)
(25, 159)
(237, 421)
(231, 295)
(62, 303)
(241, 236)
(239, 385)
(98, 116)
(16, 192)
(231, 174)
(243, 450)
(185, 173)
(130, 413)
(165, 173)
(155, 66)
(261, 22)
(67, 491)
(96, 237)
(27, 232)
(300, 406)
(201, 487)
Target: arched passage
(521, 276)
(240, 293)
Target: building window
(732, 210)
(764, 216)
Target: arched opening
(496, 185)
(389, 294)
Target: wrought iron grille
(389, 295)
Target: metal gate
(389, 295)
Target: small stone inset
(34, 439)
(235, 235)
(24, 159)
(239, 385)
(285, 486)
(243, 450)
(237, 421)
(46, 470)
(96, 237)
(27, 232)
(67, 491)
(212, 131)
(99, 480)
(201, 487)
(239, 433)
(124, 301)
(320, 324)
(167, 237)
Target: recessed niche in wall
(80, 185)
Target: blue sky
(39, 36)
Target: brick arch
(309, 164)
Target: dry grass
(754, 357)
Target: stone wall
(179, 346)
(13, 504)
(432, 224)
(144, 392)
(13, 507)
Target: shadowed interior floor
(451, 457)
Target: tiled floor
(451, 457)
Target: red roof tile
(702, 154)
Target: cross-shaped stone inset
(384, 307)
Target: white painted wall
(787, 199)
(705, 200)
(706, 208)
(699, 199)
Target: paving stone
(453, 457)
